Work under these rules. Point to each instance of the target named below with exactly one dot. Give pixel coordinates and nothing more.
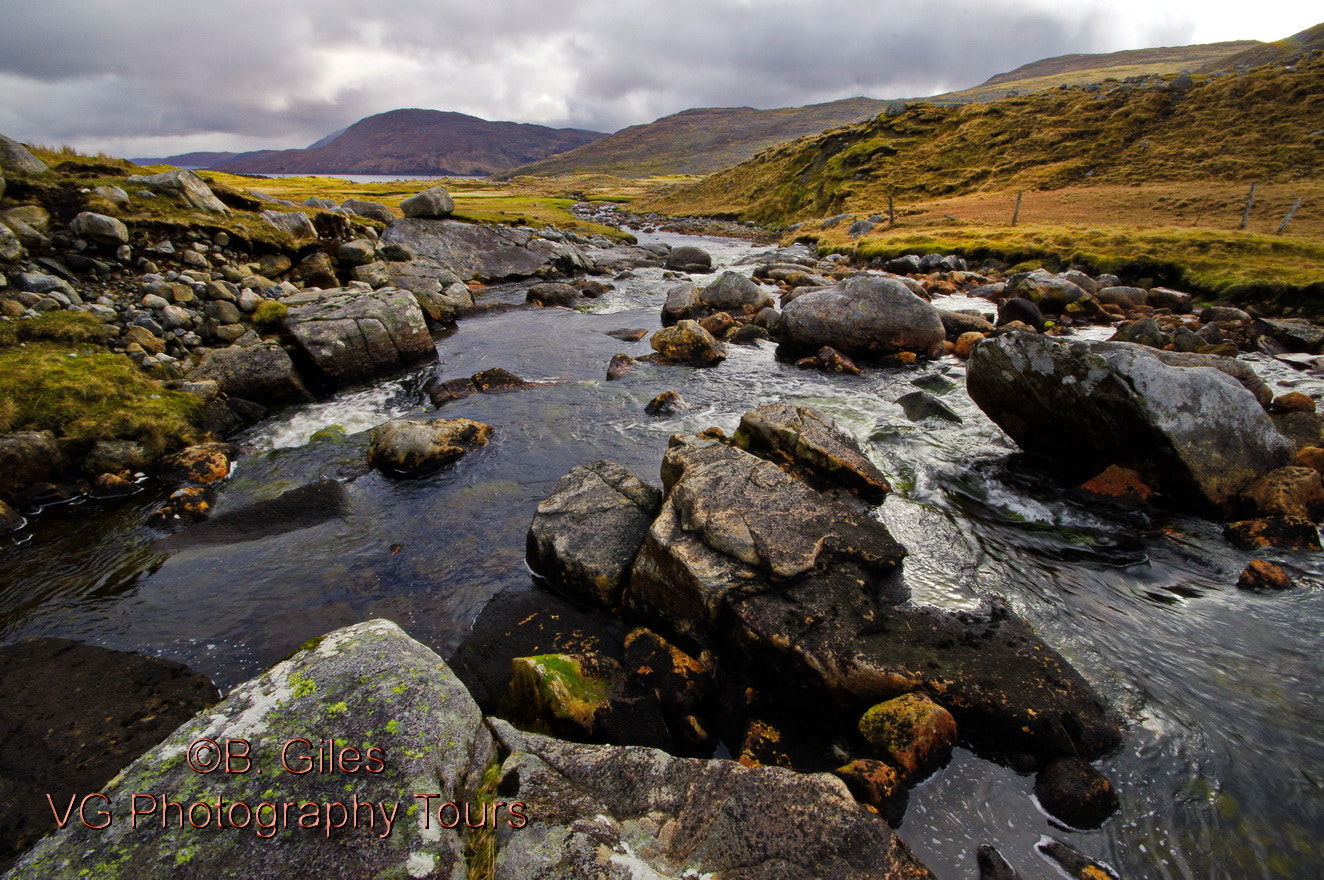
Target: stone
(150, 342)
(407, 725)
(1073, 791)
(116, 456)
(911, 732)
(1076, 865)
(409, 448)
(443, 306)
(73, 716)
(295, 223)
(99, 228)
(371, 210)
(1146, 331)
(11, 249)
(1196, 434)
(620, 365)
(688, 258)
(1176, 301)
(553, 293)
(471, 251)
(1311, 457)
(183, 185)
(809, 443)
(876, 784)
(667, 403)
(1119, 486)
(1217, 314)
(352, 336)
(376, 274)
(10, 520)
(992, 866)
(684, 685)
(682, 301)
(600, 811)
(113, 194)
(1282, 532)
(966, 342)
(956, 323)
(584, 536)
(829, 360)
(204, 463)
(1126, 297)
(262, 372)
(718, 324)
(187, 504)
(747, 334)
(865, 316)
(1049, 292)
(628, 334)
(1293, 401)
(299, 508)
(732, 291)
(1260, 574)
(357, 252)
(1286, 491)
(920, 406)
(1018, 308)
(15, 159)
(688, 343)
(432, 203)
(1302, 428)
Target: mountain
(423, 142)
(1262, 125)
(700, 141)
(1277, 52)
(708, 140)
(189, 160)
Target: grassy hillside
(700, 141)
(1277, 52)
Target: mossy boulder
(912, 732)
(688, 343)
(406, 447)
(561, 694)
(204, 463)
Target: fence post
(1250, 203)
(891, 215)
(1282, 227)
(1016, 214)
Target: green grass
(52, 380)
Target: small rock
(1262, 575)
(553, 293)
(620, 365)
(688, 343)
(1293, 401)
(406, 447)
(1076, 865)
(665, 404)
(628, 335)
(1118, 485)
(992, 866)
(1075, 792)
(876, 784)
(912, 732)
(434, 203)
(1282, 532)
(204, 463)
(921, 405)
(189, 504)
(966, 342)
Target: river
(1223, 690)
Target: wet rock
(688, 343)
(747, 334)
(72, 716)
(1282, 532)
(442, 393)
(666, 404)
(810, 444)
(620, 365)
(628, 334)
(965, 344)
(300, 508)
(718, 324)
(99, 228)
(434, 203)
(1049, 292)
(921, 405)
(352, 336)
(732, 291)
(1293, 401)
(1286, 491)
(204, 463)
(29, 457)
(1020, 309)
(863, 316)
(1196, 434)
(954, 324)
(682, 302)
(407, 722)
(1075, 792)
(688, 258)
(585, 535)
(683, 685)
(189, 504)
(911, 732)
(1076, 865)
(1126, 297)
(116, 456)
(992, 866)
(410, 448)
(1146, 331)
(1119, 486)
(1263, 575)
(552, 293)
(498, 381)
(442, 306)
(260, 372)
(590, 805)
(185, 186)
(878, 785)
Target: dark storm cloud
(163, 76)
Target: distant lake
(364, 178)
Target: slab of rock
(1196, 434)
(585, 535)
(407, 448)
(604, 812)
(296, 223)
(183, 185)
(865, 316)
(412, 729)
(487, 253)
(352, 336)
(434, 203)
(371, 210)
(812, 444)
(261, 372)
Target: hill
(711, 139)
(1278, 52)
(1263, 125)
(423, 142)
(189, 160)
(700, 141)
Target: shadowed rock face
(1197, 434)
(806, 440)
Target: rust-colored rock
(1311, 457)
(877, 785)
(1262, 575)
(1120, 486)
(912, 732)
(1292, 401)
(204, 463)
(1286, 491)
(189, 504)
(1283, 532)
(966, 342)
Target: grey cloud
(161, 75)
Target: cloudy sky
(163, 76)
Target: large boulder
(609, 812)
(371, 210)
(1195, 433)
(296, 223)
(682, 302)
(688, 258)
(733, 292)
(183, 185)
(28, 457)
(866, 316)
(688, 343)
(585, 535)
(408, 738)
(1051, 293)
(487, 253)
(15, 159)
(434, 202)
(352, 336)
(813, 445)
(260, 373)
(99, 228)
(73, 715)
(406, 447)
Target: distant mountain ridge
(410, 141)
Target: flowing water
(1222, 770)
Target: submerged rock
(865, 316)
(1075, 792)
(1196, 434)
(409, 448)
(300, 508)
